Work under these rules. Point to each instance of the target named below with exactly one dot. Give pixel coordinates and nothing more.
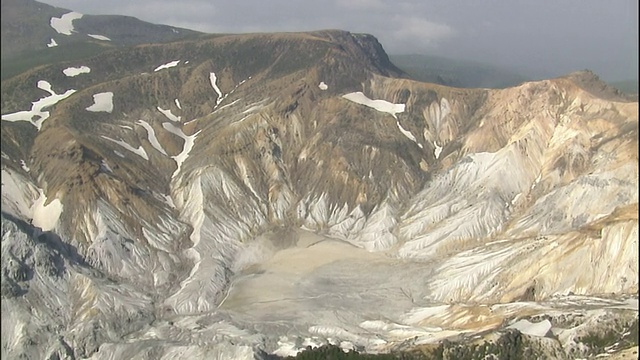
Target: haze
(539, 39)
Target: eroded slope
(182, 174)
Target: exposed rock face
(144, 221)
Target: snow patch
(46, 86)
(213, 79)
(189, 141)
(36, 116)
(408, 134)
(286, 348)
(534, 329)
(75, 71)
(99, 37)
(380, 105)
(24, 166)
(347, 346)
(169, 114)
(53, 43)
(178, 104)
(64, 24)
(139, 151)
(102, 102)
(167, 65)
(437, 150)
(323, 86)
(151, 135)
(46, 216)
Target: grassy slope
(25, 26)
(31, 59)
(26, 31)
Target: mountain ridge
(457, 73)
(29, 37)
(212, 194)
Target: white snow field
(380, 105)
(64, 24)
(37, 115)
(75, 71)
(169, 115)
(102, 102)
(541, 328)
(408, 134)
(167, 65)
(214, 84)
(189, 141)
(151, 135)
(45, 215)
(99, 37)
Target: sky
(538, 38)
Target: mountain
(471, 74)
(628, 86)
(456, 73)
(252, 195)
(34, 34)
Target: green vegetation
(30, 59)
(295, 60)
(332, 352)
(616, 337)
(511, 345)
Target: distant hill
(628, 86)
(29, 39)
(251, 196)
(591, 83)
(456, 73)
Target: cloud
(360, 4)
(413, 35)
(191, 14)
(420, 30)
(575, 34)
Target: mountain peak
(34, 33)
(590, 82)
(236, 193)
